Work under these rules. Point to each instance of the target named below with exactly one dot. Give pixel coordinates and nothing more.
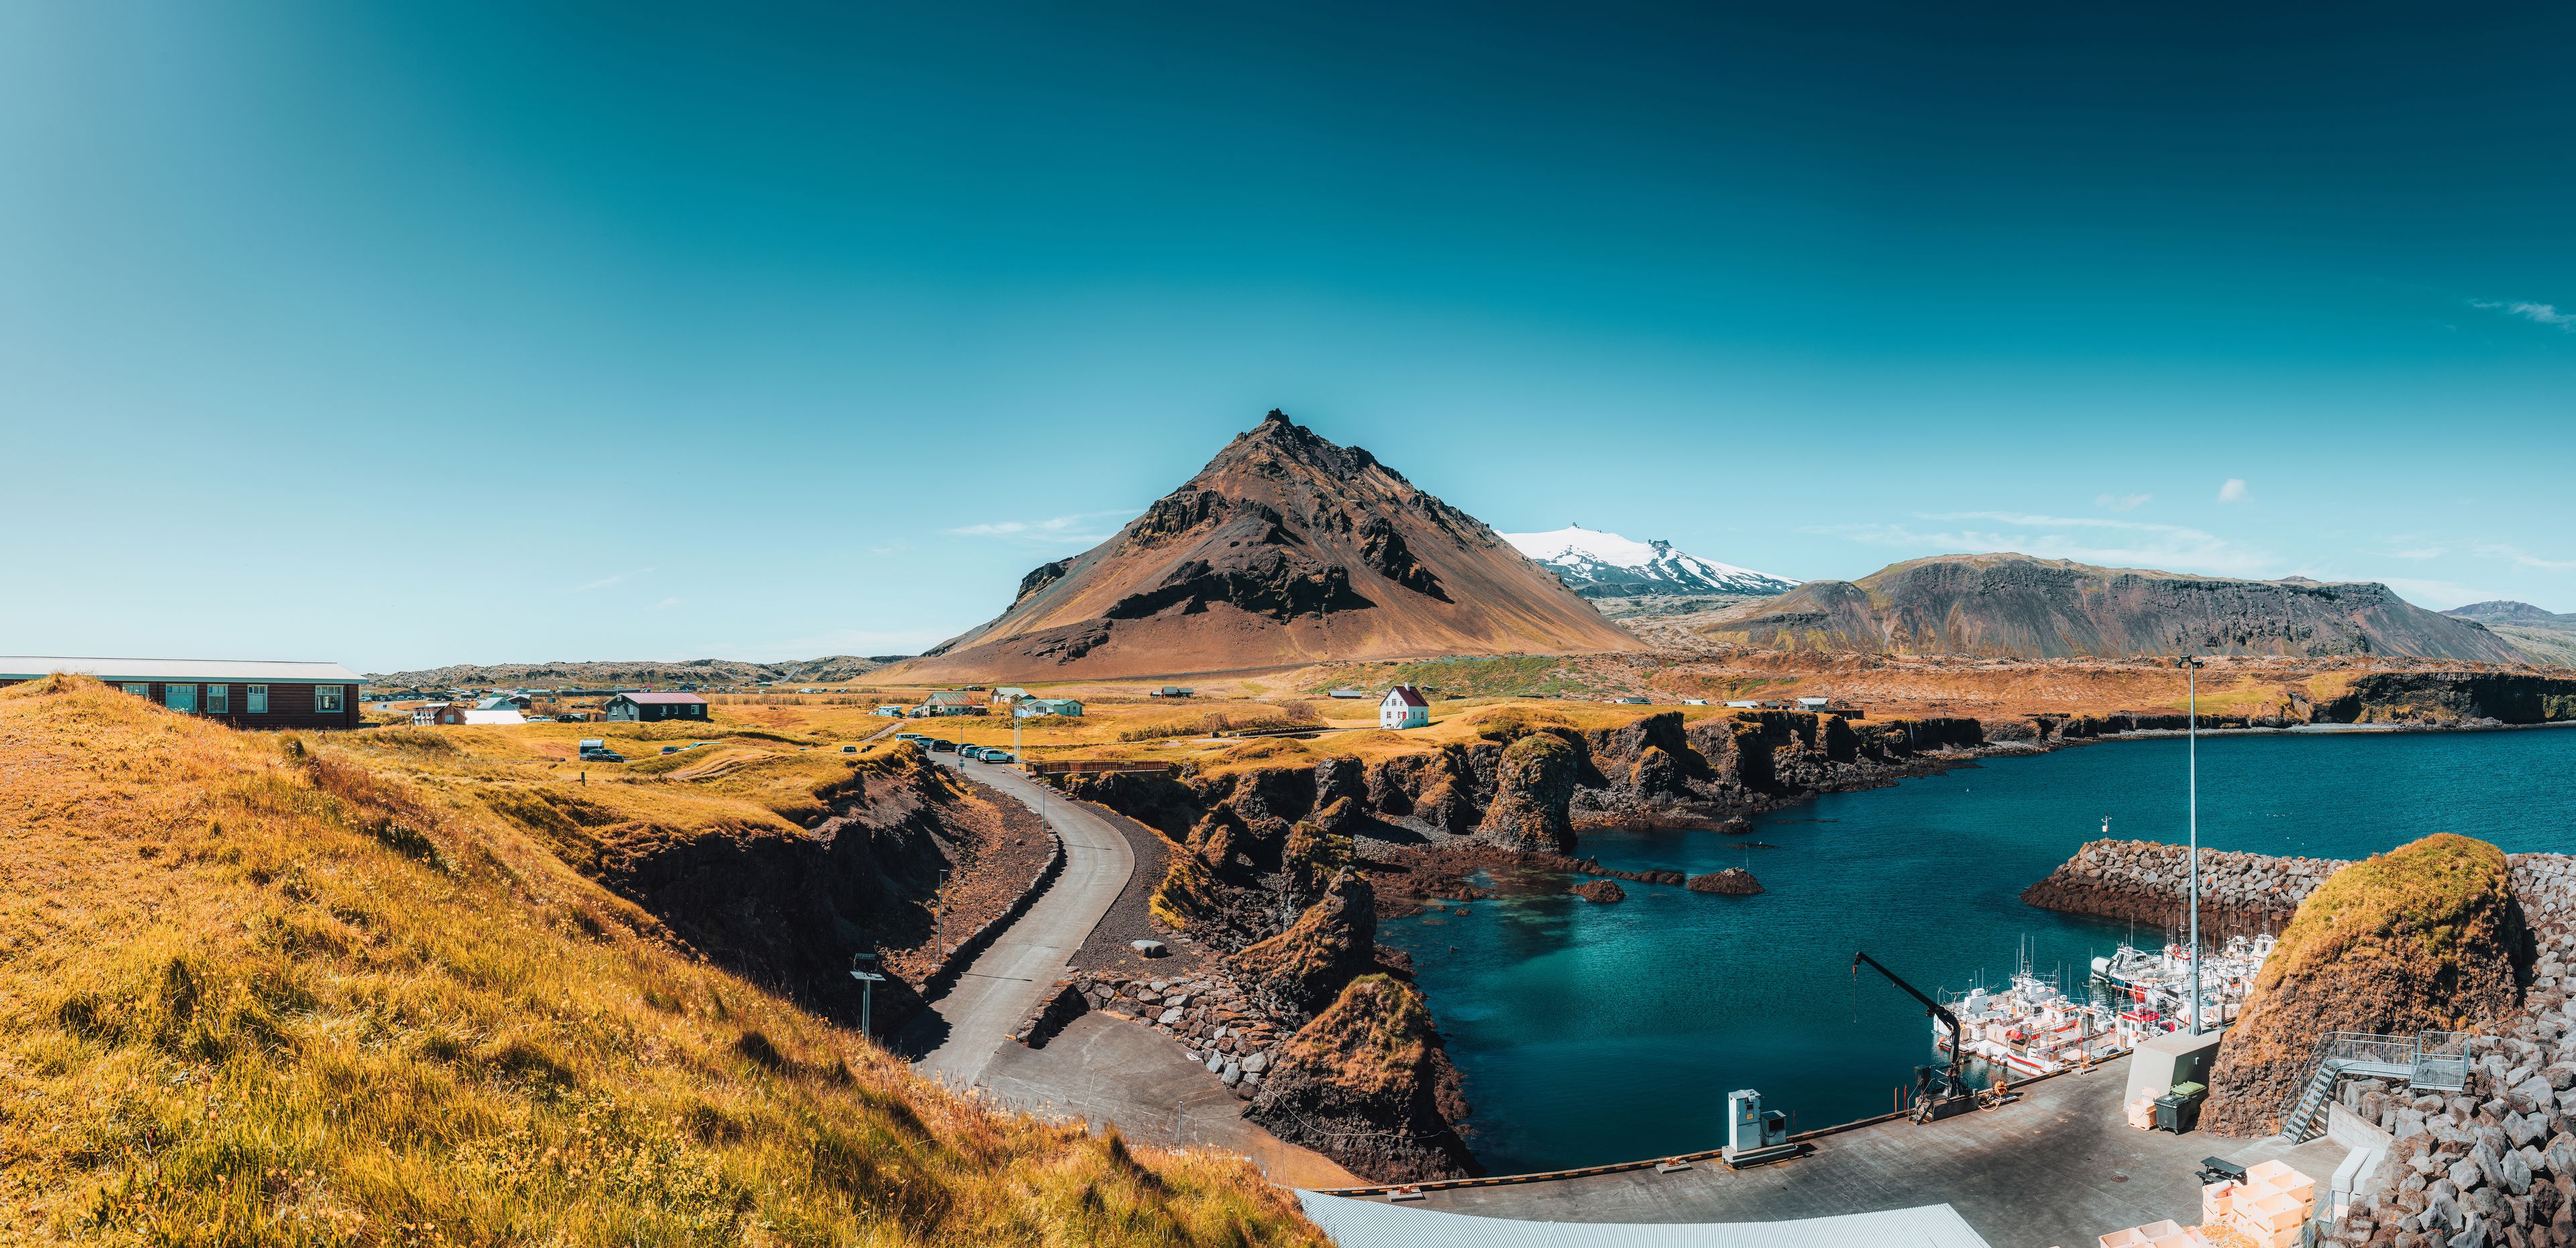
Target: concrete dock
(2058, 1167)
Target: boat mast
(2191, 681)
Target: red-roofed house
(1404, 707)
(649, 707)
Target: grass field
(312, 989)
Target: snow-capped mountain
(1606, 565)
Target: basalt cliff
(1285, 549)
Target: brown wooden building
(243, 694)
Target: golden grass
(278, 990)
(2419, 892)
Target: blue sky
(416, 333)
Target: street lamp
(863, 968)
(2190, 665)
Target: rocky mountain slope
(632, 672)
(1606, 565)
(2017, 607)
(2545, 636)
(1285, 549)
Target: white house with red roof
(1404, 707)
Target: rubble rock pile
(2144, 881)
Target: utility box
(2169, 1060)
(1754, 1134)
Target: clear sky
(404, 334)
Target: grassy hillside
(263, 989)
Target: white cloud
(606, 581)
(2085, 539)
(2536, 313)
(2524, 558)
(2122, 502)
(1079, 528)
(2232, 491)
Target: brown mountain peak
(1285, 548)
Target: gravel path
(1131, 917)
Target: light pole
(2191, 683)
(863, 968)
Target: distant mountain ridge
(2546, 636)
(2014, 606)
(1285, 549)
(836, 667)
(1596, 564)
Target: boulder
(1733, 882)
(1599, 891)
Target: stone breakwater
(2145, 882)
(2496, 1162)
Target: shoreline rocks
(1731, 882)
(1599, 892)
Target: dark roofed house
(651, 707)
(243, 694)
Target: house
(1009, 693)
(1694, 701)
(649, 707)
(1744, 704)
(1032, 708)
(494, 719)
(1403, 707)
(1818, 704)
(243, 694)
(948, 702)
(1630, 701)
(1346, 693)
(503, 702)
(890, 712)
(1171, 691)
(435, 713)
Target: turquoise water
(1592, 1033)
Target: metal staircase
(2436, 1061)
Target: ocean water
(1591, 1033)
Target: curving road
(1003, 985)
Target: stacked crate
(2272, 1205)
(2165, 1234)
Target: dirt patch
(1000, 845)
(1107, 952)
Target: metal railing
(2441, 1061)
(2430, 1060)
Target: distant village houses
(1172, 691)
(652, 707)
(1034, 708)
(1404, 707)
(1347, 693)
(947, 702)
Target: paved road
(1006, 983)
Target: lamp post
(863, 968)
(2190, 665)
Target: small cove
(1596, 1033)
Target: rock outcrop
(1368, 1085)
(1300, 971)
(1599, 892)
(2147, 882)
(1731, 882)
(2425, 937)
(1533, 796)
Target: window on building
(255, 699)
(181, 698)
(326, 698)
(219, 699)
(140, 691)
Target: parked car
(595, 750)
(999, 756)
(849, 749)
(938, 746)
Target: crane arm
(1947, 1018)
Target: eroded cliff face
(1369, 1085)
(2428, 936)
(1298, 972)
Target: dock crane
(1938, 1091)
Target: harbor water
(1597, 1033)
